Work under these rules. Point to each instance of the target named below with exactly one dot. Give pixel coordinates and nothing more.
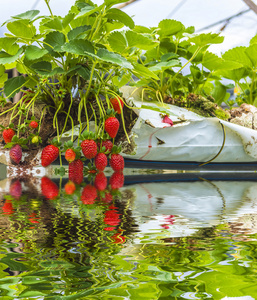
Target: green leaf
(28, 15)
(67, 19)
(139, 40)
(121, 16)
(42, 67)
(165, 65)
(206, 39)
(78, 32)
(120, 81)
(169, 27)
(84, 72)
(114, 58)
(142, 71)
(89, 10)
(110, 3)
(8, 44)
(251, 52)
(168, 56)
(235, 74)
(13, 85)
(6, 58)
(117, 41)
(142, 29)
(3, 79)
(212, 62)
(253, 40)
(22, 28)
(79, 47)
(238, 54)
(54, 41)
(54, 23)
(33, 52)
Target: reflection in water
(106, 240)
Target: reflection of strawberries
(7, 208)
(112, 218)
(117, 180)
(49, 189)
(33, 218)
(109, 228)
(88, 194)
(16, 189)
(118, 238)
(107, 198)
(100, 181)
(76, 171)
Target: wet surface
(157, 236)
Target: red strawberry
(108, 145)
(117, 162)
(16, 154)
(88, 194)
(117, 104)
(111, 126)
(117, 180)
(15, 189)
(48, 188)
(101, 161)
(100, 181)
(70, 155)
(69, 188)
(33, 124)
(8, 135)
(76, 171)
(49, 155)
(7, 208)
(89, 148)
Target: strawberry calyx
(17, 141)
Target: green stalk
(68, 115)
(49, 8)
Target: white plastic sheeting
(192, 138)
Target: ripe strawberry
(88, 194)
(70, 155)
(15, 189)
(100, 181)
(8, 135)
(117, 180)
(16, 154)
(49, 155)
(48, 188)
(69, 188)
(111, 126)
(101, 161)
(76, 171)
(7, 208)
(108, 145)
(33, 124)
(89, 148)
(117, 104)
(117, 162)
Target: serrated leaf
(253, 40)
(79, 47)
(235, 75)
(84, 72)
(54, 41)
(9, 45)
(161, 66)
(238, 54)
(110, 3)
(142, 71)
(139, 40)
(205, 39)
(117, 41)
(54, 23)
(121, 16)
(78, 32)
(168, 56)
(142, 29)
(3, 79)
(114, 58)
(169, 27)
(13, 85)
(6, 58)
(251, 52)
(42, 67)
(22, 28)
(89, 10)
(219, 93)
(33, 52)
(213, 62)
(121, 81)
(28, 15)
(67, 19)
